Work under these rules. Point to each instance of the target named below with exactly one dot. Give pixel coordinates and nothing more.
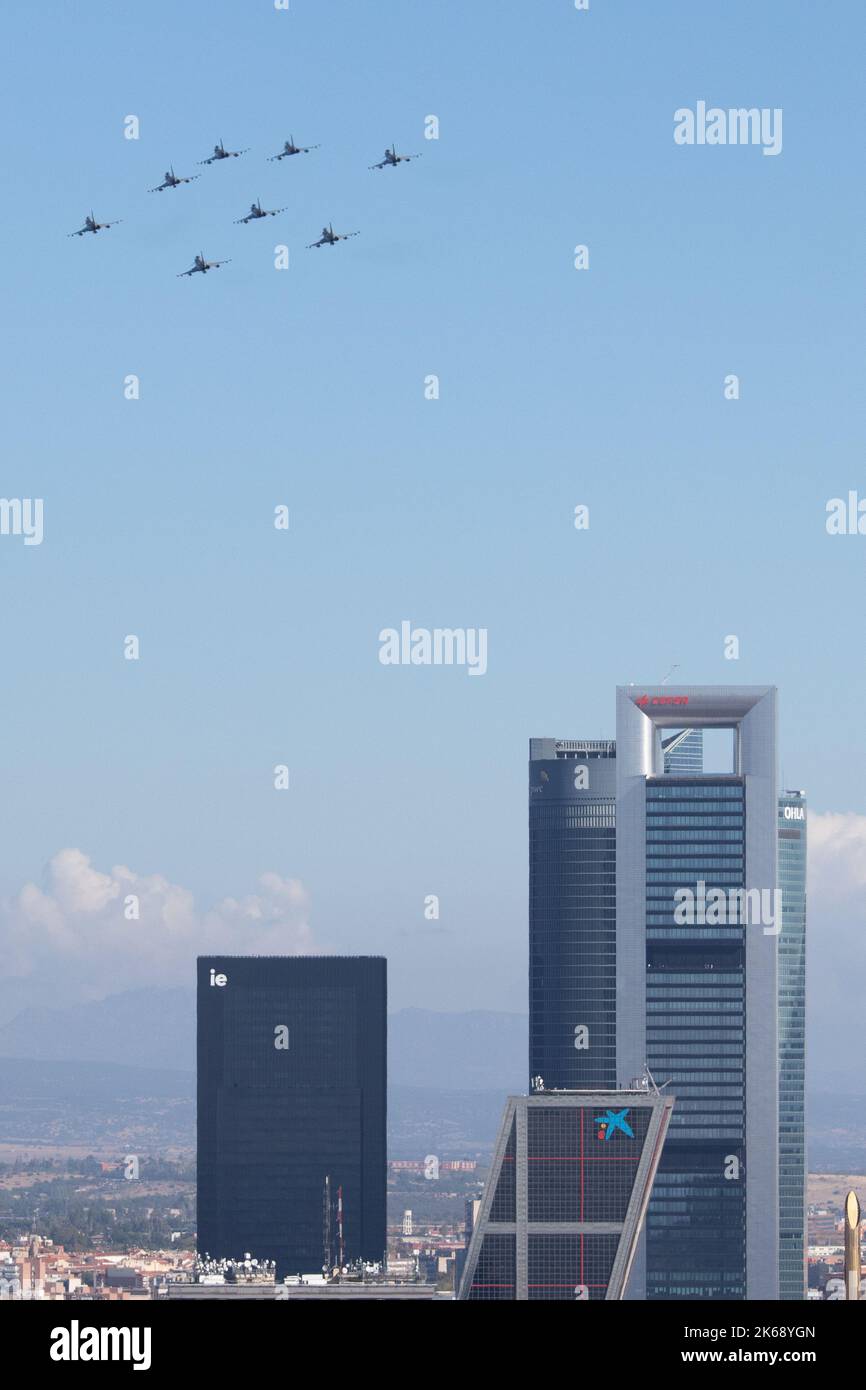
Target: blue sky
(305, 387)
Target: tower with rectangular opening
(698, 918)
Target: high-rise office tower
(697, 997)
(792, 1046)
(697, 937)
(566, 1195)
(572, 912)
(291, 1093)
(684, 751)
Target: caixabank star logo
(611, 1121)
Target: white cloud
(837, 851)
(73, 931)
(836, 946)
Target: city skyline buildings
(617, 828)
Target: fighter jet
(91, 225)
(256, 211)
(330, 238)
(220, 152)
(171, 180)
(202, 265)
(291, 148)
(392, 159)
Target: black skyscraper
(291, 1091)
(572, 913)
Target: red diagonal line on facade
(548, 1286)
(581, 1151)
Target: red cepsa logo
(643, 700)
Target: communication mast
(340, 1243)
(326, 1228)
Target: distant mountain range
(106, 1107)
(474, 1051)
(448, 1073)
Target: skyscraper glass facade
(713, 1004)
(695, 1039)
(792, 1046)
(572, 913)
(684, 752)
(291, 1091)
(564, 1199)
(697, 991)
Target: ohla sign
(643, 700)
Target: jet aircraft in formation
(200, 264)
(290, 148)
(392, 159)
(330, 238)
(220, 152)
(171, 180)
(91, 225)
(256, 211)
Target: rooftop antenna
(651, 1081)
(646, 1082)
(326, 1227)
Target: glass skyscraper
(712, 1002)
(792, 1046)
(572, 912)
(291, 1092)
(697, 940)
(696, 1039)
(684, 751)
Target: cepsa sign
(661, 700)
